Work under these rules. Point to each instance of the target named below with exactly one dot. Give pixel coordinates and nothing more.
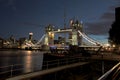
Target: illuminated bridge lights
(81, 34)
(89, 39)
(75, 35)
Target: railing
(112, 74)
(14, 70)
(65, 61)
(17, 69)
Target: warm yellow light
(113, 45)
(49, 33)
(29, 52)
(52, 35)
(107, 45)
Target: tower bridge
(74, 39)
(76, 36)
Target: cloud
(98, 28)
(108, 16)
(104, 22)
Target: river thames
(26, 61)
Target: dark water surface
(24, 61)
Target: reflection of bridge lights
(28, 63)
(29, 52)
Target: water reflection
(27, 63)
(28, 60)
(32, 61)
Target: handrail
(60, 62)
(103, 77)
(45, 65)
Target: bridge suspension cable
(40, 40)
(88, 39)
(92, 39)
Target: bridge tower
(49, 35)
(74, 36)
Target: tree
(114, 33)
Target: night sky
(19, 17)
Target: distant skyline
(18, 16)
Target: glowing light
(89, 39)
(27, 63)
(30, 33)
(58, 30)
(52, 35)
(114, 45)
(107, 45)
(49, 33)
(86, 38)
(29, 52)
(71, 22)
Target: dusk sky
(19, 17)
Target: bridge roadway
(80, 61)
